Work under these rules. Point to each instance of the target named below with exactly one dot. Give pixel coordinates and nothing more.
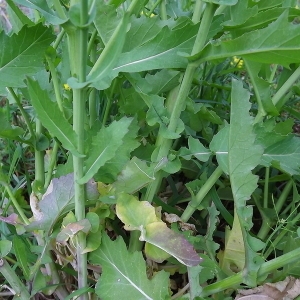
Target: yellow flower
(67, 87)
(238, 62)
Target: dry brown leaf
(288, 289)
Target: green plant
(118, 103)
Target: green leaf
(93, 241)
(159, 49)
(260, 20)
(196, 149)
(222, 2)
(133, 213)
(141, 215)
(5, 247)
(219, 145)
(103, 66)
(104, 146)
(109, 172)
(232, 259)
(161, 82)
(134, 176)
(284, 155)
(51, 117)
(22, 54)
(16, 17)
(6, 129)
(194, 276)
(106, 20)
(261, 88)
(59, 195)
(278, 43)
(156, 254)
(21, 255)
(119, 279)
(243, 157)
(239, 14)
(151, 44)
(41, 6)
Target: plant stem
(283, 196)
(286, 86)
(52, 164)
(165, 144)
(279, 237)
(58, 39)
(197, 11)
(59, 10)
(192, 206)
(14, 281)
(265, 269)
(108, 103)
(23, 112)
(163, 10)
(93, 94)
(267, 223)
(55, 82)
(79, 38)
(153, 8)
(16, 204)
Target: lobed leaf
(104, 146)
(130, 280)
(284, 155)
(195, 149)
(16, 17)
(241, 161)
(42, 6)
(59, 194)
(51, 117)
(275, 44)
(22, 54)
(134, 176)
(114, 166)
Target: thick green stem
(166, 144)
(59, 9)
(265, 269)
(79, 38)
(197, 11)
(10, 275)
(192, 206)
